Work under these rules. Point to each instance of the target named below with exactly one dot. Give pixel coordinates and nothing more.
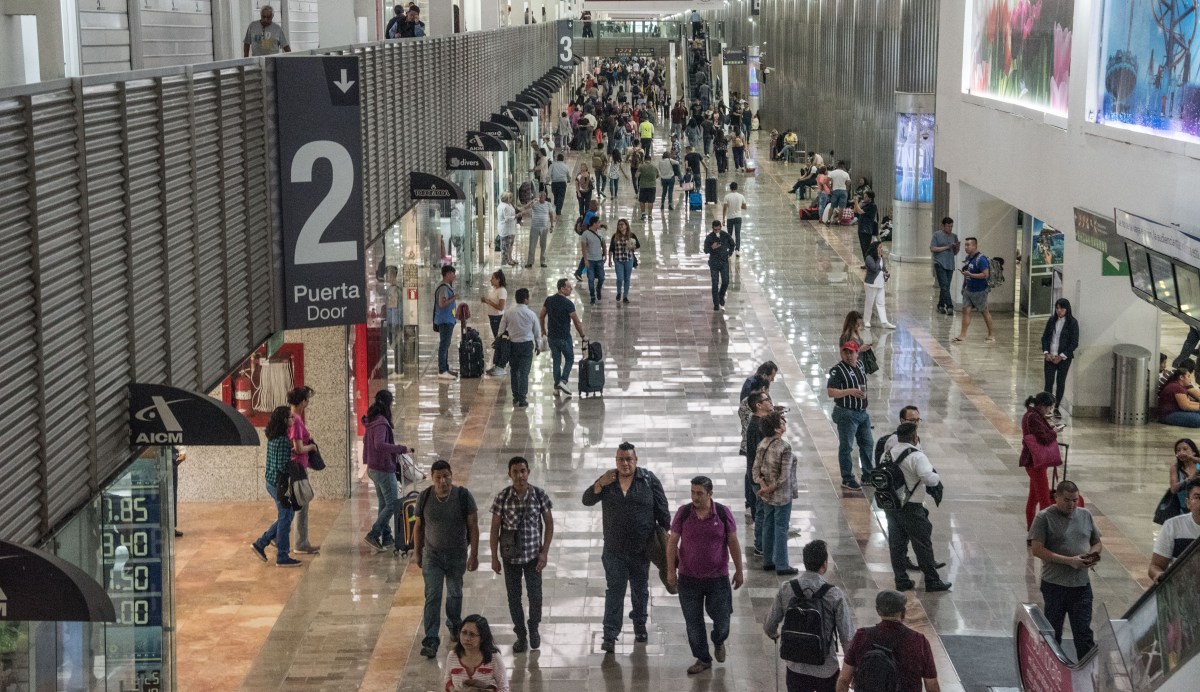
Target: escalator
(1153, 646)
(698, 61)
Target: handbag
(407, 470)
(656, 551)
(1044, 455)
(302, 492)
(510, 549)
(1168, 508)
(503, 350)
(870, 365)
(315, 461)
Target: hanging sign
(426, 186)
(319, 124)
(484, 141)
(29, 576)
(517, 115)
(465, 160)
(163, 415)
(564, 48)
(506, 121)
(497, 130)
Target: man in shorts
(975, 290)
(647, 180)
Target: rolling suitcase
(710, 191)
(1066, 448)
(406, 518)
(591, 369)
(470, 354)
(695, 201)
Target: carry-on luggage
(501, 351)
(470, 354)
(710, 191)
(848, 218)
(695, 201)
(406, 518)
(810, 214)
(1066, 448)
(591, 369)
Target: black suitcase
(591, 370)
(470, 356)
(710, 191)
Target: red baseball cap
(850, 346)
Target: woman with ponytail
(379, 454)
(1038, 434)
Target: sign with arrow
(1114, 266)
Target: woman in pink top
(824, 189)
(709, 537)
(302, 444)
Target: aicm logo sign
(160, 410)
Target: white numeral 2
(309, 248)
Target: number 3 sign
(565, 48)
(321, 209)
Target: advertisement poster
(1150, 50)
(1021, 51)
(1047, 250)
(914, 157)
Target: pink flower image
(1060, 78)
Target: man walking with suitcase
(522, 527)
(557, 316)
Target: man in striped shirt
(847, 387)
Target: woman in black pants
(1060, 338)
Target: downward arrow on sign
(345, 84)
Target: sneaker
(787, 571)
(716, 307)
(608, 646)
(577, 277)
(593, 301)
(937, 586)
(618, 297)
(542, 264)
(288, 562)
(941, 309)
(749, 511)
(309, 550)
(851, 485)
(641, 636)
(520, 647)
(905, 586)
(562, 387)
(445, 375)
(429, 651)
(888, 325)
(529, 266)
(990, 340)
(374, 542)
(719, 653)
(698, 667)
(757, 551)
(521, 404)
(262, 554)
(625, 300)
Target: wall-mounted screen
(1139, 270)
(914, 157)
(1164, 280)
(1187, 281)
(1020, 51)
(1147, 76)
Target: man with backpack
(976, 271)
(811, 611)
(908, 473)
(908, 414)
(889, 656)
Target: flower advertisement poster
(1020, 51)
(1148, 70)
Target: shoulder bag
(1044, 456)
(315, 461)
(301, 490)
(869, 364)
(510, 548)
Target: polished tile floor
(349, 619)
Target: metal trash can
(1130, 384)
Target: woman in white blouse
(474, 662)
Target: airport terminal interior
(193, 235)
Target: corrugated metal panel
(175, 32)
(104, 42)
(303, 24)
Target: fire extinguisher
(242, 393)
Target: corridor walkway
(349, 618)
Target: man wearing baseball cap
(847, 387)
(911, 663)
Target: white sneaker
(562, 387)
(445, 376)
(497, 372)
(888, 325)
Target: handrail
(1175, 566)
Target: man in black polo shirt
(847, 387)
(718, 245)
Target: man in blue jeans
(847, 386)
(446, 545)
(718, 245)
(558, 313)
(594, 250)
(278, 457)
(444, 321)
(633, 504)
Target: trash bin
(1130, 384)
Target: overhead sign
(755, 7)
(506, 121)
(483, 141)
(1097, 231)
(636, 52)
(497, 130)
(163, 415)
(320, 179)
(465, 160)
(1166, 240)
(734, 57)
(564, 48)
(426, 186)
(528, 98)
(37, 586)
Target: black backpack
(806, 633)
(880, 444)
(877, 669)
(891, 492)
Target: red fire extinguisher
(242, 392)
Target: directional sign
(1114, 266)
(1098, 231)
(320, 180)
(565, 47)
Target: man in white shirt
(839, 183)
(524, 332)
(560, 174)
(731, 212)
(1178, 533)
(666, 177)
(911, 523)
(908, 414)
(506, 228)
(264, 37)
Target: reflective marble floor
(349, 619)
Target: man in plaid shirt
(524, 510)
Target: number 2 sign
(321, 211)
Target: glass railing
(644, 29)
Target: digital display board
(1139, 271)
(133, 521)
(1188, 283)
(1164, 280)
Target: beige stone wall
(213, 474)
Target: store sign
(482, 141)
(1166, 240)
(529, 99)
(506, 121)
(38, 586)
(497, 130)
(755, 8)
(163, 415)
(1098, 232)
(734, 57)
(515, 113)
(426, 186)
(465, 160)
(319, 123)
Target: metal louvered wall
(136, 235)
(836, 67)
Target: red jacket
(1034, 423)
